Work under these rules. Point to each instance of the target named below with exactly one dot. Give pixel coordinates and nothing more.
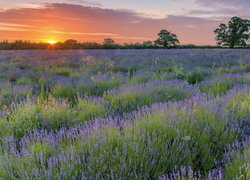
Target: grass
(64, 91)
(132, 97)
(239, 167)
(150, 146)
(50, 115)
(61, 72)
(148, 114)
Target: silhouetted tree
(91, 45)
(166, 39)
(109, 43)
(71, 44)
(236, 33)
(5, 45)
(148, 44)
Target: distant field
(125, 114)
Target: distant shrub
(130, 97)
(88, 110)
(85, 89)
(60, 91)
(195, 77)
(247, 68)
(69, 65)
(4, 75)
(219, 85)
(219, 88)
(61, 72)
(30, 115)
(178, 71)
(240, 102)
(23, 81)
(48, 114)
(23, 66)
(117, 69)
(12, 78)
(46, 82)
(14, 93)
(139, 79)
(22, 90)
(103, 85)
(233, 69)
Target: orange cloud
(64, 21)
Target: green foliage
(241, 104)
(23, 81)
(66, 91)
(192, 77)
(156, 142)
(68, 44)
(239, 167)
(5, 128)
(222, 70)
(236, 33)
(195, 77)
(24, 66)
(49, 114)
(109, 43)
(104, 85)
(61, 72)
(30, 115)
(247, 68)
(85, 89)
(113, 118)
(139, 79)
(217, 88)
(166, 39)
(88, 110)
(201, 146)
(132, 100)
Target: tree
(109, 43)
(166, 39)
(236, 33)
(148, 44)
(71, 44)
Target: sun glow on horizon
(52, 41)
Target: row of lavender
(94, 118)
(69, 73)
(202, 136)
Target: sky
(193, 21)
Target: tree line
(234, 34)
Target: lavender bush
(129, 114)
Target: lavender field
(125, 114)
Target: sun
(52, 41)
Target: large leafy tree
(236, 33)
(166, 39)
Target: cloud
(212, 3)
(222, 8)
(83, 2)
(3, 28)
(81, 33)
(14, 25)
(153, 14)
(87, 23)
